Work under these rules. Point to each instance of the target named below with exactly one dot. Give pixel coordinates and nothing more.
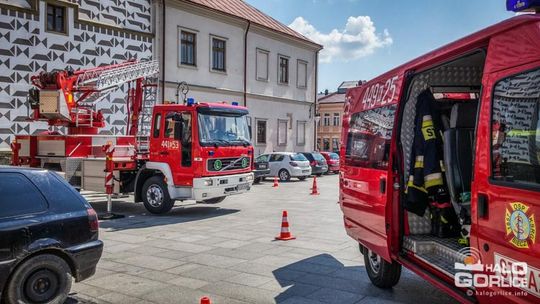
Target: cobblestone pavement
(227, 252)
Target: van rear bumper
(217, 186)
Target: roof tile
(241, 9)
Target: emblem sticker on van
(520, 225)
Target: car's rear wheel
(156, 196)
(214, 200)
(284, 175)
(381, 273)
(302, 178)
(44, 278)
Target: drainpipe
(163, 53)
(245, 62)
(315, 103)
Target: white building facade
(230, 55)
(224, 54)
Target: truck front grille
(228, 164)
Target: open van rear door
(506, 187)
(366, 162)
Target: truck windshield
(223, 129)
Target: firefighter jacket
(426, 183)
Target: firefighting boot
(435, 221)
(448, 223)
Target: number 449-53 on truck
(440, 170)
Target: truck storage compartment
(93, 175)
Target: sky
(365, 38)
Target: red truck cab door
(366, 178)
(506, 186)
(172, 142)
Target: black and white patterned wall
(26, 49)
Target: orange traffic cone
(285, 234)
(314, 189)
(205, 300)
(276, 184)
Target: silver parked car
(287, 164)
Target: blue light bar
(522, 5)
(234, 103)
(190, 101)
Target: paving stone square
(228, 252)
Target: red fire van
(485, 91)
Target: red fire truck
(187, 151)
(485, 96)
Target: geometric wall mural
(99, 33)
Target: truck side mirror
(178, 126)
(177, 131)
(186, 132)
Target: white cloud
(359, 38)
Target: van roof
(456, 49)
(466, 43)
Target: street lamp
(317, 119)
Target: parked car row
(287, 165)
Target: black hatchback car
(48, 234)
(262, 168)
(317, 162)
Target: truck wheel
(381, 273)
(156, 196)
(214, 200)
(44, 278)
(284, 175)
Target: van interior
(456, 88)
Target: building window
(261, 132)
(326, 144)
(335, 144)
(326, 119)
(262, 65)
(336, 119)
(283, 74)
(218, 54)
(300, 133)
(301, 74)
(56, 19)
(188, 48)
(282, 132)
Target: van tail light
(294, 164)
(313, 163)
(93, 220)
